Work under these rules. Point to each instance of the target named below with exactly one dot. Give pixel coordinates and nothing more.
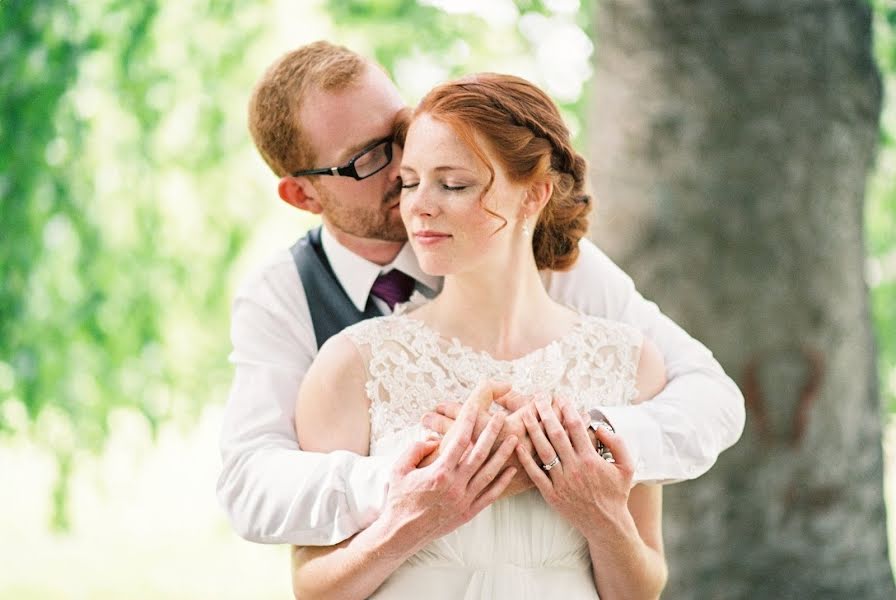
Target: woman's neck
(506, 313)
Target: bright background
(133, 203)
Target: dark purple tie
(393, 287)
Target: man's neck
(380, 252)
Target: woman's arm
(627, 555)
(622, 525)
(626, 547)
(332, 407)
(332, 414)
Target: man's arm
(272, 491)
(679, 433)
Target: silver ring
(551, 464)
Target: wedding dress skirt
(518, 548)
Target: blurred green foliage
(115, 255)
(880, 209)
(456, 38)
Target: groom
(323, 117)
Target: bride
(492, 192)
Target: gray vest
(331, 308)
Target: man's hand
(427, 502)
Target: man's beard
(379, 223)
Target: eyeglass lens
(373, 160)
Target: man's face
(339, 125)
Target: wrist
(610, 527)
(396, 535)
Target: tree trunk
(730, 146)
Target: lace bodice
(411, 367)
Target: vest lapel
(331, 308)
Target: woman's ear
(298, 192)
(538, 195)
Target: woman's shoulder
(378, 330)
(612, 331)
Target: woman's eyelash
(445, 186)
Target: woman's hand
(580, 485)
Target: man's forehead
(341, 123)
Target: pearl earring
(526, 226)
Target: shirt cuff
(369, 480)
(642, 436)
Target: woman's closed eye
(445, 185)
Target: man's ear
(298, 192)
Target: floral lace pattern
(411, 367)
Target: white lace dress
(518, 547)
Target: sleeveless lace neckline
(410, 368)
(456, 345)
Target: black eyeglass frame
(348, 169)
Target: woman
(493, 192)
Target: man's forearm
(680, 433)
(278, 495)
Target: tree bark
(730, 142)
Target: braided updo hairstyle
(525, 132)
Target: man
(323, 117)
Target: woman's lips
(429, 238)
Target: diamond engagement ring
(551, 464)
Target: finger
(576, 429)
(492, 492)
(411, 457)
(460, 435)
(482, 421)
(437, 423)
(499, 390)
(515, 425)
(554, 430)
(483, 446)
(613, 441)
(513, 400)
(543, 447)
(480, 398)
(449, 409)
(535, 472)
(487, 473)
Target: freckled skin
(443, 182)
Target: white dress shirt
(276, 493)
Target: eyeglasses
(369, 161)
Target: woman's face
(442, 204)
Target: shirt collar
(356, 274)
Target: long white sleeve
(681, 432)
(272, 491)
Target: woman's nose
(420, 200)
